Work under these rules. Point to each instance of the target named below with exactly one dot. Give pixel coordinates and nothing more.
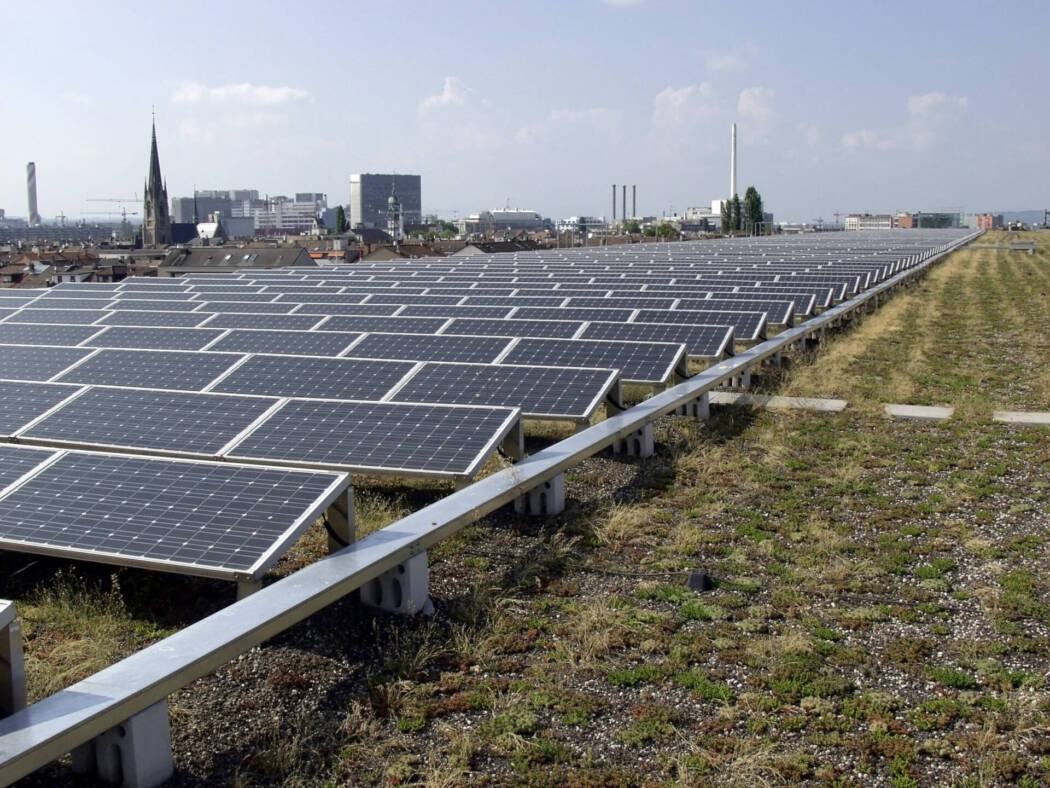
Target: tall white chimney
(732, 166)
(34, 216)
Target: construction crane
(61, 218)
(124, 213)
(133, 198)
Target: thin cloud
(453, 94)
(242, 93)
(936, 103)
(868, 138)
(595, 120)
(730, 59)
(76, 98)
(623, 3)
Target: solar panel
(46, 334)
(20, 402)
(640, 302)
(154, 338)
(703, 341)
(232, 307)
(23, 362)
(418, 310)
(305, 343)
(237, 297)
(330, 378)
(156, 293)
(80, 317)
(568, 313)
(155, 304)
(521, 301)
(638, 362)
(514, 328)
(379, 437)
(165, 319)
(68, 303)
(17, 461)
(381, 310)
(541, 392)
(778, 312)
(406, 325)
(156, 421)
(277, 322)
(321, 298)
(211, 519)
(162, 369)
(441, 347)
(747, 326)
(402, 298)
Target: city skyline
(538, 106)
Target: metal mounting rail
(58, 724)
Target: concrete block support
(699, 408)
(637, 444)
(341, 520)
(546, 500)
(403, 590)
(12, 663)
(134, 754)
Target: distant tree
(752, 217)
(666, 230)
(632, 226)
(705, 225)
(340, 220)
(650, 232)
(448, 229)
(727, 216)
(735, 217)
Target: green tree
(632, 226)
(752, 218)
(735, 210)
(448, 229)
(667, 230)
(650, 232)
(340, 220)
(727, 216)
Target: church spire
(156, 224)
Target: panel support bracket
(637, 444)
(341, 520)
(545, 500)
(403, 590)
(134, 754)
(12, 662)
(699, 408)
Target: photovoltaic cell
(429, 439)
(80, 317)
(417, 310)
(332, 378)
(276, 322)
(158, 305)
(746, 325)
(514, 328)
(201, 518)
(702, 341)
(163, 319)
(306, 343)
(406, 325)
(17, 461)
(69, 303)
(22, 362)
(28, 334)
(23, 402)
(365, 310)
(545, 392)
(638, 362)
(150, 420)
(162, 369)
(441, 347)
(154, 338)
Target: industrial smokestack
(623, 202)
(634, 201)
(732, 167)
(614, 203)
(34, 217)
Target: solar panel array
(124, 394)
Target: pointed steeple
(155, 181)
(156, 224)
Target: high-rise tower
(156, 224)
(732, 165)
(34, 216)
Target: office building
(370, 192)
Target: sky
(841, 107)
